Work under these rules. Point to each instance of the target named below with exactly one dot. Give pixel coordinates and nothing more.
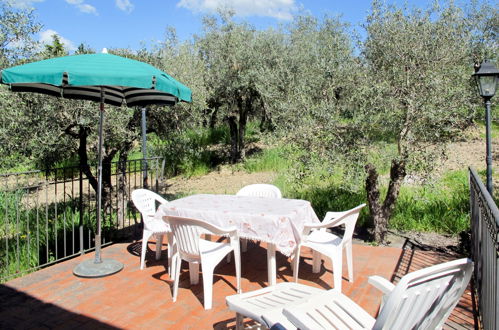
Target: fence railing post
(40, 202)
(484, 252)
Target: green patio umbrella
(105, 78)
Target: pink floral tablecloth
(264, 219)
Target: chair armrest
(381, 283)
(337, 218)
(311, 225)
(331, 219)
(161, 200)
(229, 231)
(149, 217)
(332, 214)
(328, 221)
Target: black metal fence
(49, 216)
(485, 252)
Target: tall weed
(268, 160)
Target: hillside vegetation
(339, 119)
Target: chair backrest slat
(424, 299)
(145, 202)
(187, 237)
(187, 233)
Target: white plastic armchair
(145, 201)
(198, 251)
(324, 243)
(258, 190)
(422, 299)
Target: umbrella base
(90, 269)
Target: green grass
(252, 133)
(197, 166)
(33, 236)
(268, 160)
(494, 129)
(380, 154)
(333, 198)
(442, 207)
(14, 163)
(135, 154)
(196, 152)
(204, 136)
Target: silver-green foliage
(228, 51)
(17, 29)
(416, 91)
(406, 85)
(418, 87)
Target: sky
(134, 23)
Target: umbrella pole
(98, 267)
(144, 148)
(99, 185)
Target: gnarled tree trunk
(243, 119)
(234, 150)
(82, 136)
(382, 211)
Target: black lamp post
(487, 76)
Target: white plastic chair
(145, 201)
(422, 299)
(324, 243)
(258, 190)
(196, 250)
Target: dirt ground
(223, 181)
(461, 155)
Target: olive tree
(409, 86)
(319, 59)
(181, 60)
(312, 88)
(483, 20)
(49, 131)
(416, 92)
(228, 50)
(17, 28)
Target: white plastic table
(276, 221)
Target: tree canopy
(335, 94)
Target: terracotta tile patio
(133, 299)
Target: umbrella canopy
(123, 80)
(107, 79)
